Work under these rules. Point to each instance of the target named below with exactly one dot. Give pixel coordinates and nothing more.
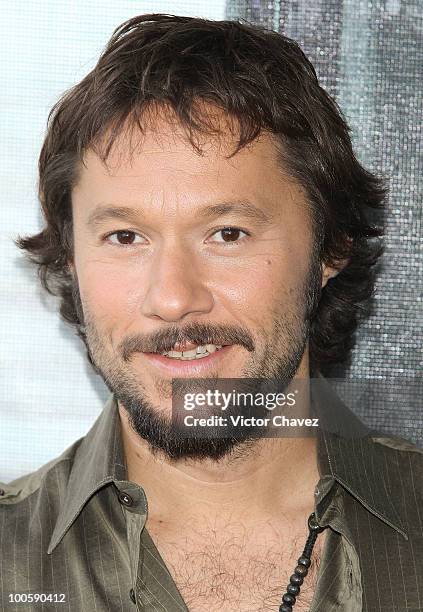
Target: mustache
(197, 333)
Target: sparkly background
(368, 55)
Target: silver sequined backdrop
(368, 55)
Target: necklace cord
(300, 572)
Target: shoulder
(402, 474)
(49, 479)
(29, 509)
(399, 450)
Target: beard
(278, 358)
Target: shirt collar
(355, 461)
(353, 456)
(98, 461)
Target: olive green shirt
(73, 534)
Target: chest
(233, 570)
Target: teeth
(201, 355)
(197, 353)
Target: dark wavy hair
(263, 81)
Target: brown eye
(229, 234)
(122, 237)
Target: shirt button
(132, 596)
(125, 499)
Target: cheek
(256, 291)
(109, 295)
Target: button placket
(131, 496)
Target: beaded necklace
(301, 571)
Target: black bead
(285, 608)
(288, 599)
(293, 589)
(300, 570)
(295, 579)
(304, 561)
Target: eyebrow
(246, 209)
(103, 213)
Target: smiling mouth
(189, 359)
(193, 353)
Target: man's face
(174, 251)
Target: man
(205, 218)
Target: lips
(190, 366)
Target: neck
(255, 479)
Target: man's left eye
(229, 234)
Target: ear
(329, 272)
(336, 266)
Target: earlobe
(329, 272)
(337, 266)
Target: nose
(177, 286)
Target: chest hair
(235, 570)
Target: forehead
(161, 164)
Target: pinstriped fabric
(157, 589)
(63, 530)
(334, 589)
(383, 518)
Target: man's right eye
(124, 237)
